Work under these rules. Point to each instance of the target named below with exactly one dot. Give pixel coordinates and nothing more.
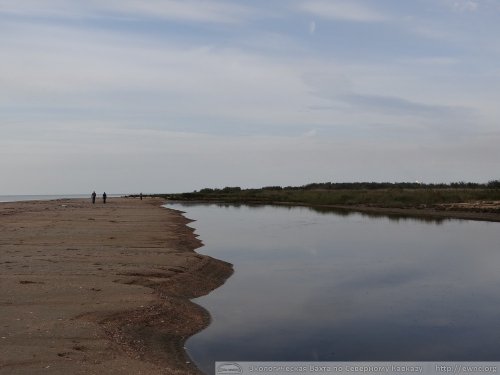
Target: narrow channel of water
(329, 286)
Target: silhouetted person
(93, 197)
(140, 196)
(104, 196)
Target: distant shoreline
(470, 201)
(100, 288)
(437, 213)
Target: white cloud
(211, 11)
(167, 84)
(437, 32)
(112, 72)
(311, 133)
(347, 10)
(462, 5)
(312, 27)
(431, 61)
(187, 10)
(42, 8)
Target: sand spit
(100, 289)
(479, 211)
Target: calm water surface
(325, 286)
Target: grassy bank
(397, 195)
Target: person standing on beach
(104, 196)
(140, 196)
(93, 197)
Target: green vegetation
(404, 195)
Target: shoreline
(431, 213)
(440, 212)
(100, 288)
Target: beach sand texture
(100, 289)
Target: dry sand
(100, 289)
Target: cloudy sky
(170, 96)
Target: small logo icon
(229, 369)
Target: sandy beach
(100, 289)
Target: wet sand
(100, 289)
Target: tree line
(493, 184)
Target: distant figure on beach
(140, 196)
(93, 197)
(104, 196)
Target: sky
(160, 96)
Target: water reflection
(393, 216)
(345, 212)
(312, 285)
